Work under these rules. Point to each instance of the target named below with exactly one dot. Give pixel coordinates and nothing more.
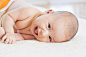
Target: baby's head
(57, 26)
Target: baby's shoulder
(23, 13)
(30, 10)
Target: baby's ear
(48, 11)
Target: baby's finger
(10, 41)
(3, 39)
(13, 41)
(7, 41)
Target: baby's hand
(8, 38)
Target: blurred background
(77, 7)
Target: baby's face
(47, 29)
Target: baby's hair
(70, 23)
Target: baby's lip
(36, 30)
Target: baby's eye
(49, 26)
(49, 38)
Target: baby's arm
(17, 36)
(8, 41)
(8, 23)
(12, 17)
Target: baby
(22, 21)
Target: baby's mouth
(36, 30)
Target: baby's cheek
(43, 40)
(38, 22)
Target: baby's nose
(42, 32)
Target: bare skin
(21, 20)
(24, 18)
(2, 32)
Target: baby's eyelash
(50, 38)
(48, 25)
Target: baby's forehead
(59, 36)
(59, 20)
(58, 26)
